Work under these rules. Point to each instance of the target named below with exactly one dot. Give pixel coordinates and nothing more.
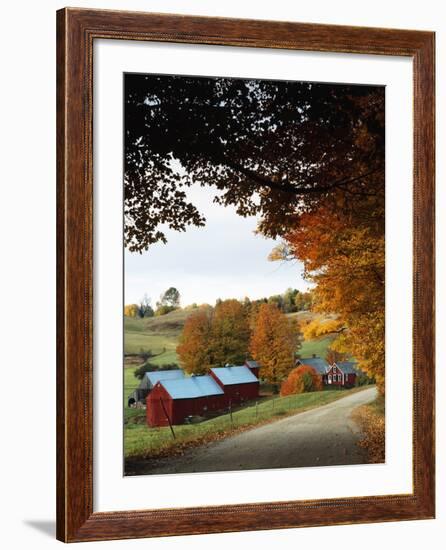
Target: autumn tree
(194, 348)
(321, 327)
(230, 333)
(214, 337)
(131, 310)
(276, 299)
(269, 148)
(289, 300)
(340, 240)
(274, 342)
(286, 302)
(169, 301)
(301, 379)
(303, 301)
(344, 256)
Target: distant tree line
(291, 301)
(169, 301)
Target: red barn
(342, 374)
(175, 400)
(148, 382)
(254, 367)
(338, 374)
(238, 383)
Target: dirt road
(324, 436)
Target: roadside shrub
(301, 380)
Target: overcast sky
(224, 259)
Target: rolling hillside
(156, 334)
(160, 336)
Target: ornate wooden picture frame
(77, 29)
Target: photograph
(254, 274)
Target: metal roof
(252, 364)
(234, 375)
(348, 367)
(157, 375)
(194, 386)
(319, 365)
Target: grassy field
(141, 441)
(156, 334)
(318, 346)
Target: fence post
(168, 419)
(230, 413)
(257, 409)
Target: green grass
(317, 346)
(156, 334)
(142, 441)
(130, 384)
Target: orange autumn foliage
(194, 346)
(339, 237)
(301, 379)
(214, 337)
(230, 333)
(274, 341)
(131, 310)
(344, 256)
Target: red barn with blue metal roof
(173, 400)
(238, 383)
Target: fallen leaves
(372, 423)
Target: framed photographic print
(245, 275)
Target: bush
(301, 380)
(131, 310)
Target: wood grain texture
(76, 31)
